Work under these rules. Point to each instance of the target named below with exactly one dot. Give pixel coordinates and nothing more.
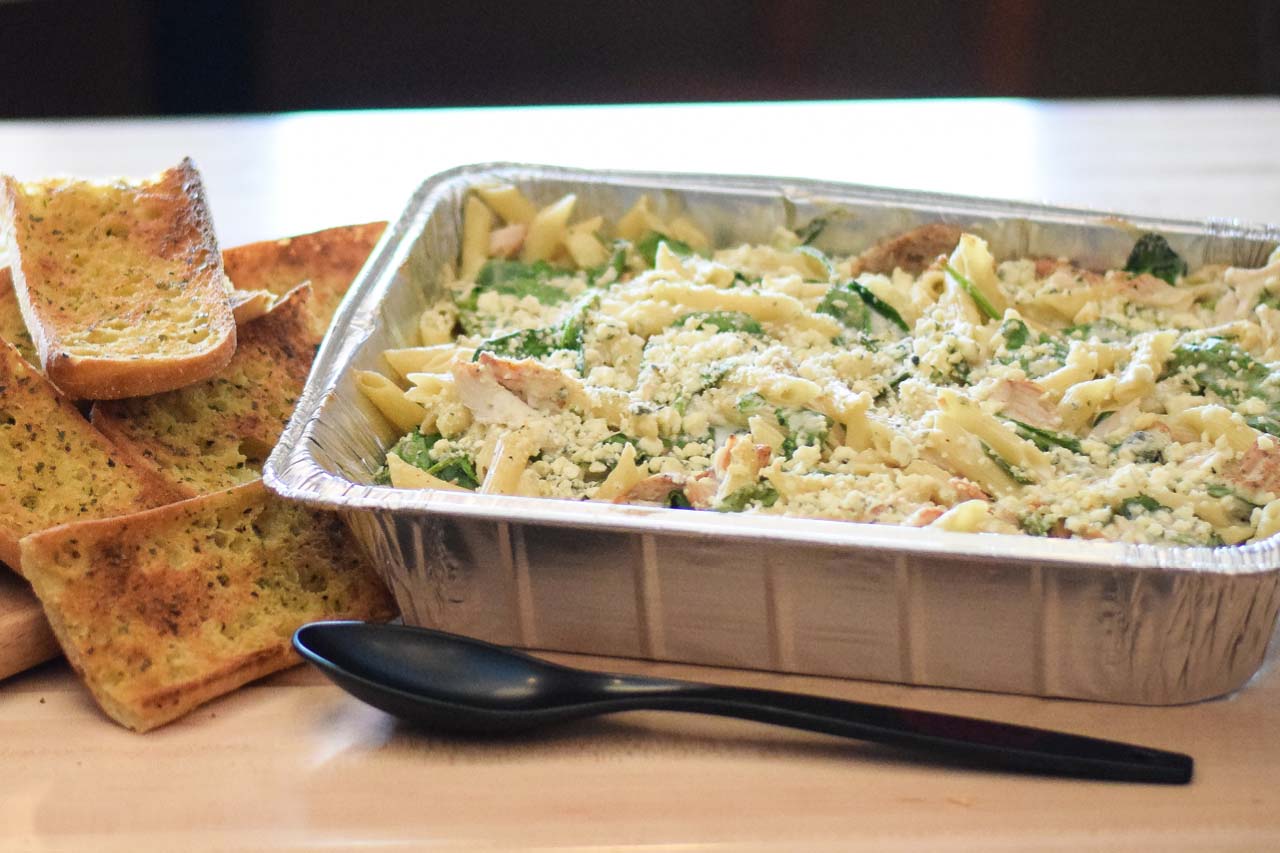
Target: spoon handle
(1012, 746)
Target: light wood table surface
(293, 763)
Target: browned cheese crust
(54, 466)
(164, 610)
(217, 433)
(121, 284)
(329, 259)
(912, 251)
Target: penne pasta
(509, 203)
(406, 476)
(966, 393)
(547, 231)
(477, 222)
(390, 400)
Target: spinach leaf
(511, 278)
(1152, 254)
(536, 343)
(878, 305)
(757, 493)
(617, 262)
(574, 324)
(1220, 366)
(822, 259)
(810, 231)
(456, 469)
(724, 321)
(1015, 334)
(984, 305)
(520, 279)
(751, 403)
(647, 246)
(847, 307)
(676, 500)
(1264, 423)
(1038, 524)
(957, 374)
(522, 343)
(1013, 472)
(837, 303)
(1139, 504)
(1106, 331)
(1046, 439)
(805, 428)
(1218, 490)
(415, 448)
(892, 385)
(623, 439)
(1026, 349)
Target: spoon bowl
(457, 684)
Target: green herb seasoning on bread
(217, 433)
(162, 611)
(121, 283)
(54, 466)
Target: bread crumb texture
(54, 466)
(164, 610)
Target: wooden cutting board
(25, 637)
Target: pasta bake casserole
(920, 382)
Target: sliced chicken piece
(652, 489)
(924, 516)
(737, 464)
(701, 490)
(1258, 471)
(967, 490)
(1064, 293)
(912, 251)
(1119, 422)
(1146, 289)
(738, 449)
(1024, 401)
(506, 242)
(1060, 531)
(489, 402)
(536, 384)
(1046, 267)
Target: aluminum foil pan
(1090, 620)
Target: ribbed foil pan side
(1144, 636)
(1089, 620)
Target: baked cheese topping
(959, 391)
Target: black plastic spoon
(457, 684)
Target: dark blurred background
(147, 57)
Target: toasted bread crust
(164, 610)
(329, 259)
(54, 465)
(121, 285)
(12, 327)
(216, 434)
